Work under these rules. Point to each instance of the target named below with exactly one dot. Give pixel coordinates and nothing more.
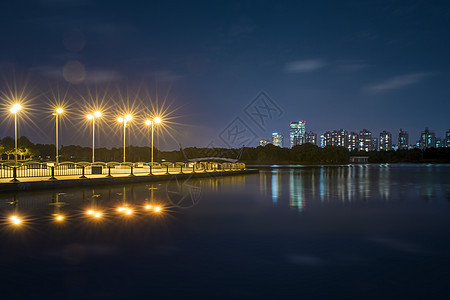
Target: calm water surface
(358, 232)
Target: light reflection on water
(306, 185)
(337, 232)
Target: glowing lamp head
(148, 206)
(97, 114)
(148, 122)
(128, 117)
(15, 220)
(120, 120)
(16, 107)
(59, 110)
(98, 215)
(90, 117)
(157, 120)
(59, 218)
(158, 209)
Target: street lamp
(15, 109)
(56, 114)
(124, 120)
(156, 120)
(92, 117)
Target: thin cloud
(398, 82)
(303, 66)
(351, 65)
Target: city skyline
(359, 64)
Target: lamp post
(124, 120)
(15, 109)
(156, 120)
(92, 117)
(56, 114)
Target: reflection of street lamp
(124, 121)
(56, 114)
(97, 114)
(156, 120)
(15, 109)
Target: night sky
(380, 65)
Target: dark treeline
(269, 154)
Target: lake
(303, 232)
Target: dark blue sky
(380, 65)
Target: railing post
(193, 168)
(53, 173)
(181, 169)
(109, 172)
(167, 169)
(150, 172)
(131, 171)
(14, 175)
(82, 172)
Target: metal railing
(110, 169)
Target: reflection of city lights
(98, 215)
(121, 209)
(15, 220)
(157, 209)
(148, 206)
(90, 212)
(128, 211)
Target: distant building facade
(263, 142)
(374, 144)
(352, 141)
(311, 137)
(427, 139)
(365, 140)
(385, 141)
(277, 139)
(403, 140)
(297, 131)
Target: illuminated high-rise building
(340, 138)
(311, 137)
(385, 141)
(427, 139)
(296, 133)
(263, 142)
(374, 144)
(365, 140)
(327, 139)
(403, 140)
(352, 141)
(277, 139)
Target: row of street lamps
(17, 107)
